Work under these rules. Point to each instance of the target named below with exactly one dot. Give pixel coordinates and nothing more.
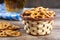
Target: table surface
(55, 34)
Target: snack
(4, 25)
(38, 12)
(13, 27)
(12, 33)
(2, 34)
(8, 25)
(38, 21)
(5, 33)
(8, 29)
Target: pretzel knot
(2, 33)
(39, 12)
(4, 25)
(34, 15)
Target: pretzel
(27, 13)
(5, 33)
(4, 25)
(39, 12)
(8, 29)
(12, 27)
(12, 33)
(7, 25)
(50, 13)
(34, 14)
(2, 33)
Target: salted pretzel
(39, 12)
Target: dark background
(1, 1)
(44, 3)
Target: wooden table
(55, 34)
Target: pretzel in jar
(39, 21)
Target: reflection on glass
(14, 5)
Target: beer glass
(14, 5)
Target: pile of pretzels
(39, 12)
(38, 21)
(7, 29)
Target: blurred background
(44, 3)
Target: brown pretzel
(7, 25)
(12, 27)
(39, 12)
(12, 33)
(4, 25)
(2, 33)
